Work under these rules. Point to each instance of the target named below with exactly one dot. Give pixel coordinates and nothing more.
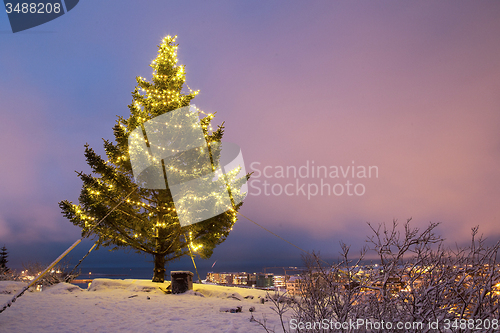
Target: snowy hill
(133, 306)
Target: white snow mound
(62, 288)
(11, 287)
(131, 306)
(128, 284)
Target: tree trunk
(159, 271)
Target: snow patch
(128, 284)
(112, 306)
(62, 288)
(192, 292)
(11, 287)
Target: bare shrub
(59, 273)
(416, 280)
(8, 275)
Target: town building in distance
(252, 280)
(294, 283)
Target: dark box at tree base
(182, 281)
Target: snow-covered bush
(416, 279)
(59, 273)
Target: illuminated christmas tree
(148, 220)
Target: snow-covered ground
(132, 306)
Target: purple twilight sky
(409, 87)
